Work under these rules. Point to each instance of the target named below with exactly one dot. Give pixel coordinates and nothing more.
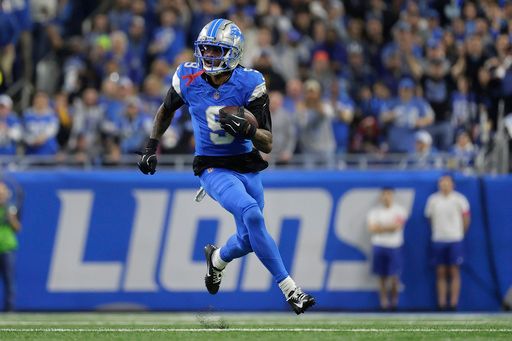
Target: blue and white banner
(118, 239)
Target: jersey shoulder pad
(184, 76)
(188, 68)
(253, 82)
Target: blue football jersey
(36, 125)
(204, 102)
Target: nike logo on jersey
(236, 123)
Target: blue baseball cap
(406, 83)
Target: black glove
(148, 161)
(236, 125)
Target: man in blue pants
(227, 158)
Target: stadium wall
(120, 240)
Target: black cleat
(213, 275)
(300, 301)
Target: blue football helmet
(219, 46)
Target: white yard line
(257, 330)
(228, 321)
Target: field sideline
(253, 326)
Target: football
(241, 112)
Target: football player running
(227, 159)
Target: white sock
(287, 285)
(218, 263)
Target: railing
(300, 161)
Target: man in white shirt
(449, 216)
(386, 223)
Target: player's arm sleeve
(258, 106)
(173, 99)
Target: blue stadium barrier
(497, 191)
(121, 240)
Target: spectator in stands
(100, 28)
(424, 155)
(88, 118)
(151, 96)
(9, 226)
(263, 45)
(273, 79)
(315, 124)
(47, 41)
(111, 100)
(438, 86)
(343, 107)
(122, 60)
(464, 151)
(375, 40)
(386, 224)
(449, 215)
(357, 72)
(284, 130)
(275, 18)
(380, 100)
(179, 137)
(10, 127)
(392, 71)
(471, 58)
(147, 12)
(9, 33)
(404, 117)
(367, 137)
(464, 107)
(169, 38)
(290, 53)
(321, 70)
(137, 44)
(326, 39)
(120, 16)
(294, 94)
(20, 11)
(405, 48)
(41, 125)
(162, 71)
(135, 127)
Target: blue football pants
(242, 195)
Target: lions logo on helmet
(219, 46)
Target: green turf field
(259, 326)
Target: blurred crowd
(420, 77)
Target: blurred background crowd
(81, 80)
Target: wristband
(152, 145)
